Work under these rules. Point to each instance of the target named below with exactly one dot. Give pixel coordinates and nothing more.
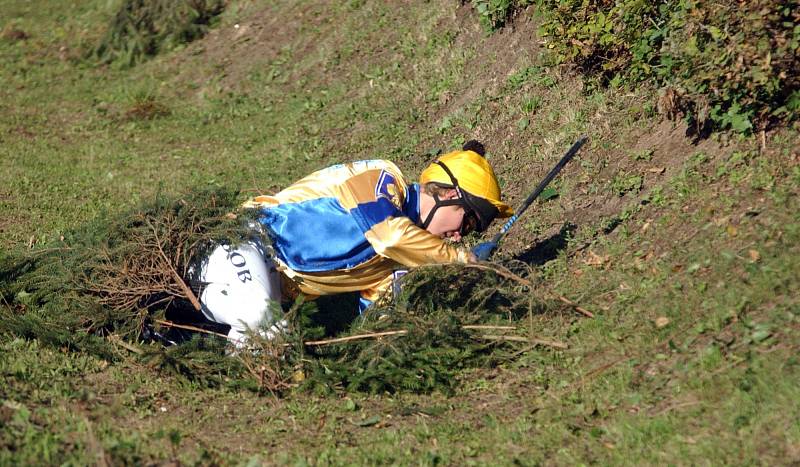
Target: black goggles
(470, 223)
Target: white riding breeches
(241, 289)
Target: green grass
(691, 358)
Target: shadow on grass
(548, 249)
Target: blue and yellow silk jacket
(348, 228)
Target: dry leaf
(754, 255)
(595, 259)
(732, 231)
(662, 321)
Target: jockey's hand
(483, 250)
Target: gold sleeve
(380, 293)
(399, 239)
(260, 201)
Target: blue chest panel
(317, 235)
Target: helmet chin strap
(438, 202)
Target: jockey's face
(447, 220)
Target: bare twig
(373, 335)
(188, 327)
(267, 370)
(674, 406)
(554, 344)
(94, 445)
(401, 332)
(115, 339)
(39, 251)
(178, 280)
(577, 308)
(491, 337)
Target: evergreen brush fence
(143, 28)
(110, 278)
(104, 287)
(722, 65)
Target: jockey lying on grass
(349, 228)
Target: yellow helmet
(472, 175)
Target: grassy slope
(687, 254)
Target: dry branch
(188, 327)
(374, 335)
(554, 344)
(577, 308)
(401, 332)
(115, 339)
(177, 277)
